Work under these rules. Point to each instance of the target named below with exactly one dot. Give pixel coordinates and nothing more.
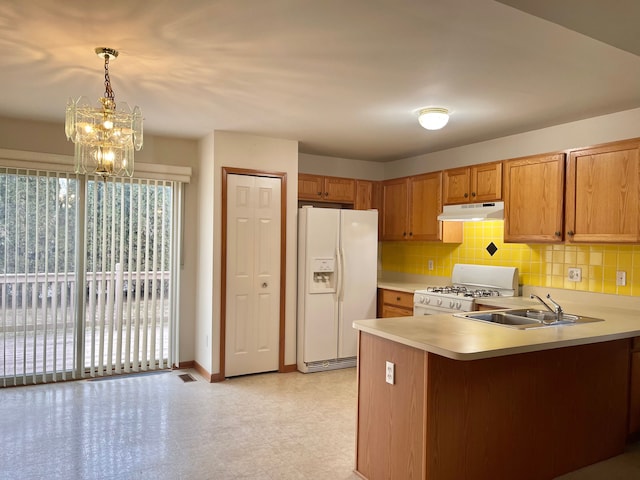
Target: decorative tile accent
(491, 248)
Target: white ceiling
(343, 77)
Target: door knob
(265, 284)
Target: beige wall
(44, 137)
(199, 296)
(225, 149)
(340, 167)
(606, 128)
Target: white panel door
(359, 261)
(253, 274)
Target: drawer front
(400, 299)
(389, 311)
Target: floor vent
(186, 377)
(323, 365)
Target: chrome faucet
(557, 310)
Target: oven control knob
(427, 300)
(458, 305)
(439, 301)
(452, 304)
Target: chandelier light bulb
(433, 118)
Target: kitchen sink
(527, 318)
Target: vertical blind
(88, 276)
(38, 324)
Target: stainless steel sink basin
(527, 318)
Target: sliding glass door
(88, 275)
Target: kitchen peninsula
(470, 400)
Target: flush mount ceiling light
(433, 118)
(105, 137)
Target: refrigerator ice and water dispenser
(323, 272)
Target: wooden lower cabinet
(394, 303)
(634, 389)
(528, 416)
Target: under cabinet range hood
(472, 212)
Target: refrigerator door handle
(340, 269)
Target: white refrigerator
(337, 284)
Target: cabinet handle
(404, 234)
(473, 194)
(326, 194)
(411, 234)
(570, 233)
(557, 234)
(397, 299)
(466, 195)
(319, 194)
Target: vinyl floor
(158, 426)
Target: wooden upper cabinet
(478, 183)
(326, 189)
(410, 209)
(603, 192)
(310, 187)
(425, 204)
(367, 195)
(533, 198)
(395, 209)
(456, 186)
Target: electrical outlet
(390, 373)
(575, 275)
(430, 264)
(621, 278)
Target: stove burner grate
(464, 291)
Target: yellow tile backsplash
(539, 265)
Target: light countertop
(410, 283)
(464, 339)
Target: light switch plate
(390, 373)
(621, 278)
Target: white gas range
(468, 282)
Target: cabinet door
(603, 194)
(533, 199)
(342, 190)
(486, 182)
(395, 196)
(310, 187)
(425, 204)
(390, 311)
(397, 298)
(634, 394)
(367, 193)
(456, 185)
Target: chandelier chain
(108, 92)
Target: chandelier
(105, 137)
